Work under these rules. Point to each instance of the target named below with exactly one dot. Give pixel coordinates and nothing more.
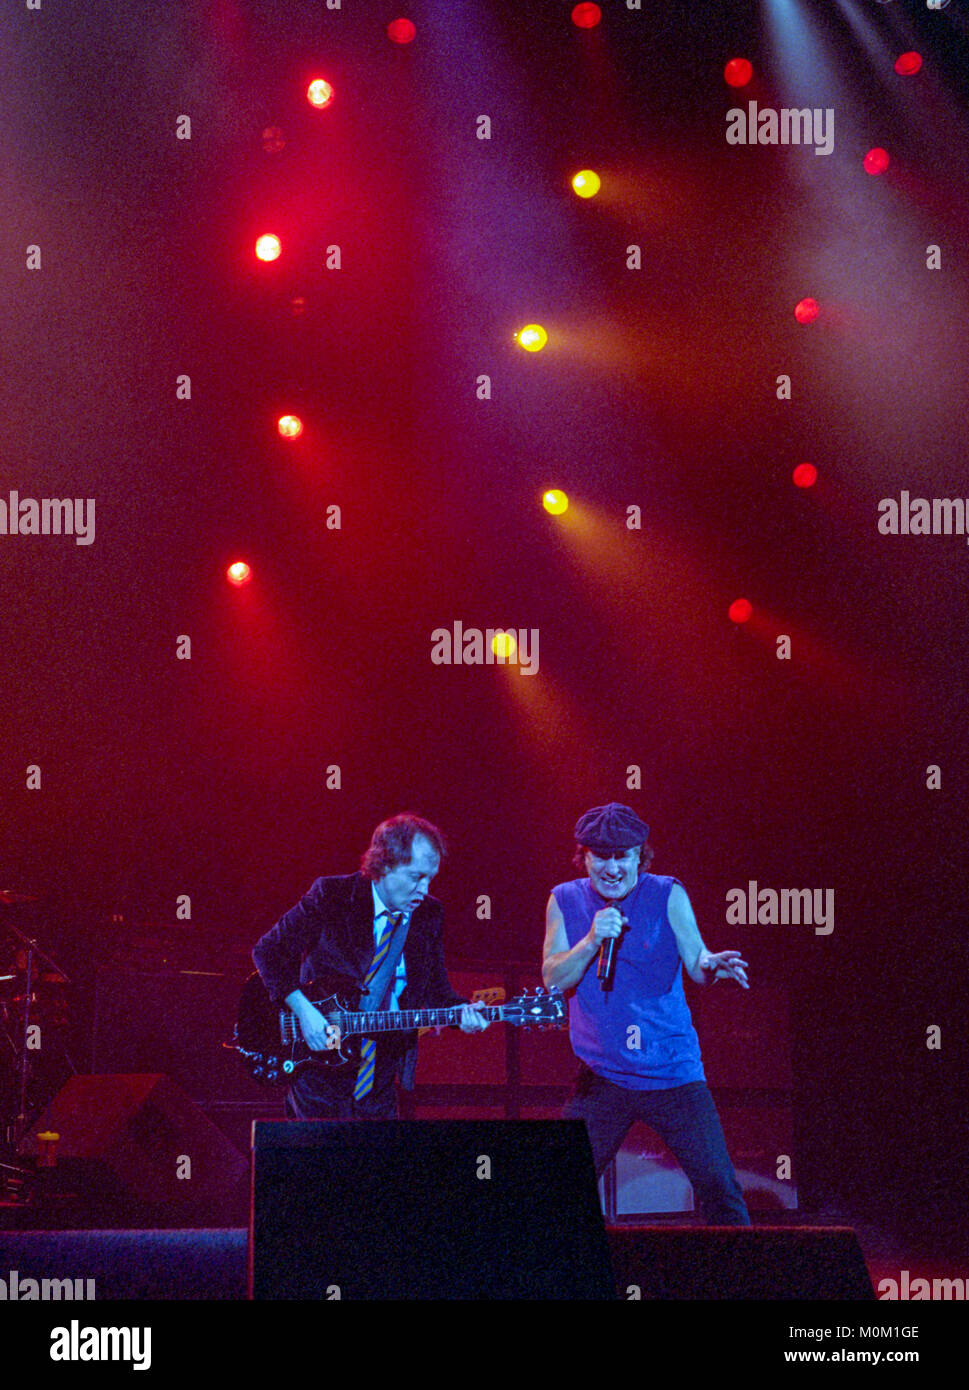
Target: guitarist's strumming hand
(319, 1035)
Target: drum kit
(33, 1013)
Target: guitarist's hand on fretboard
(471, 1019)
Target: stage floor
(212, 1263)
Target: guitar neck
(405, 1020)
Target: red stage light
(319, 93)
(805, 475)
(906, 64)
(807, 311)
(268, 247)
(238, 573)
(738, 72)
(401, 30)
(876, 161)
(586, 16)
(740, 610)
(289, 426)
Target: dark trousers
(326, 1093)
(684, 1117)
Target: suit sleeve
(279, 953)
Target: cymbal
(13, 895)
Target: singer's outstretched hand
(724, 965)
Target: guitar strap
(372, 998)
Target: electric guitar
(271, 1046)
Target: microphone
(607, 952)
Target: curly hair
(392, 843)
(646, 856)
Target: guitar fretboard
(390, 1020)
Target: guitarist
(379, 922)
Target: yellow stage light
(555, 501)
(587, 183)
(532, 337)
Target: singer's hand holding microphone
(607, 927)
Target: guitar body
(270, 1056)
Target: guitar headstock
(543, 1009)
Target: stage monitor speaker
(141, 1138)
(739, 1262)
(426, 1209)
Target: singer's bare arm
(562, 968)
(701, 965)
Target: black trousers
(326, 1093)
(684, 1117)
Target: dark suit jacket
(331, 929)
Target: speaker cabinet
(139, 1138)
(426, 1209)
(449, 1057)
(648, 1179)
(733, 1262)
(744, 1036)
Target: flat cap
(611, 827)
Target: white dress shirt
(380, 913)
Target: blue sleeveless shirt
(646, 995)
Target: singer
(629, 1022)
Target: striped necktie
(368, 1046)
